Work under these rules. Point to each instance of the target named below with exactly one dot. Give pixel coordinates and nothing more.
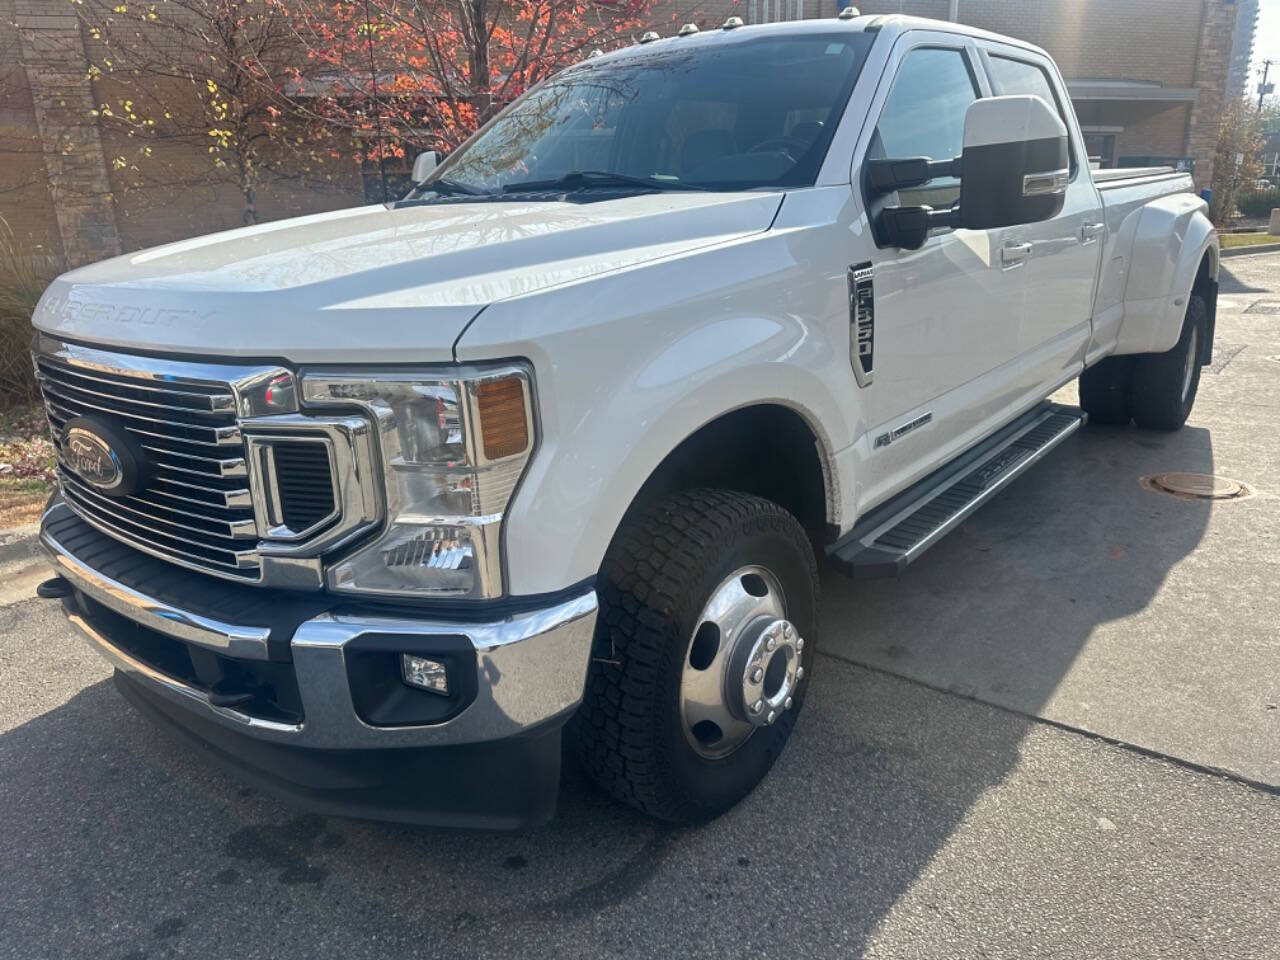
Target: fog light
(424, 673)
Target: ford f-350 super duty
(379, 506)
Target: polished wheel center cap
(766, 670)
(742, 667)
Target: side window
(924, 117)
(1017, 77)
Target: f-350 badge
(862, 322)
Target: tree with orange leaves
(411, 75)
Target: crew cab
(381, 506)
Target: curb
(1256, 248)
(20, 543)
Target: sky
(1266, 43)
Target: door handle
(1014, 254)
(1090, 232)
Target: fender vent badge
(862, 322)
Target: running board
(898, 532)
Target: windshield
(721, 116)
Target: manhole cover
(1196, 486)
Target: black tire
(663, 565)
(1164, 386)
(1105, 389)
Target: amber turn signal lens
(504, 425)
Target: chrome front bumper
(531, 666)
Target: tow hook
(55, 589)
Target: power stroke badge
(862, 322)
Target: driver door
(946, 315)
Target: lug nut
(770, 643)
(799, 673)
(800, 643)
(757, 706)
(787, 631)
(773, 715)
(787, 705)
(757, 675)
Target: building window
(1101, 148)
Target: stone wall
(69, 186)
(25, 203)
(1217, 32)
(52, 52)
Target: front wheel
(704, 646)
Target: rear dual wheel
(1154, 390)
(704, 647)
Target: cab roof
(891, 25)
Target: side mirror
(1015, 164)
(423, 165)
(1015, 169)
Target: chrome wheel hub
(743, 664)
(766, 665)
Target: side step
(899, 531)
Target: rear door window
(1011, 77)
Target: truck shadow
(1232, 284)
(120, 842)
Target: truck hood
(375, 284)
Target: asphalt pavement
(1055, 737)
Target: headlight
(453, 448)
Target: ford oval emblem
(92, 459)
(102, 455)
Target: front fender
(1173, 236)
(627, 370)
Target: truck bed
(1121, 176)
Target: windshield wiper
(451, 188)
(586, 179)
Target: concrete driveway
(1058, 735)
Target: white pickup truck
(379, 505)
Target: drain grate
(1196, 486)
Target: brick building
(1148, 78)
(63, 186)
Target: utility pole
(954, 16)
(1262, 87)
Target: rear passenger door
(1062, 255)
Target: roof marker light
(733, 23)
(649, 36)
(848, 13)
(687, 29)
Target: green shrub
(23, 278)
(1259, 204)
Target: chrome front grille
(201, 435)
(196, 508)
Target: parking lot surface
(1056, 736)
